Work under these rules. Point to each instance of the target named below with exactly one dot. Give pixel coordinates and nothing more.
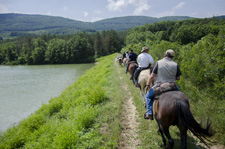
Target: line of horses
(171, 108)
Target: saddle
(164, 87)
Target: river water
(23, 89)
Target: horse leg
(183, 135)
(167, 133)
(163, 138)
(143, 96)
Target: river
(23, 89)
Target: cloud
(3, 8)
(179, 6)
(85, 13)
(116, 6)
(141, 9)
(140, 5)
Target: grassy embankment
(85, 115)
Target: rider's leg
(136, 73)
(178, 88)
(149, 96)
(127, 67)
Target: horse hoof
(165, 146)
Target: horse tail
(187, 119)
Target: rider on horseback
(145, 60)
(165, 70)
(132, 58)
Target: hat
(170, 52)
(144, 49)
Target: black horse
(172, 108)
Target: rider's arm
(152, 76)
(178, 73)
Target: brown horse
(132, 67)
(172, 108)
(120, 61)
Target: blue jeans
(148, 97)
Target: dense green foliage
(17, 25)
(46, 49)
(75, 118)
(200, 52)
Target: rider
(132, 58)
(144, 62)
(165, 70)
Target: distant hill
(127, 22)
(13, 25)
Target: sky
(94, 10)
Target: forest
(67, 49)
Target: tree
(98, 45)
(40, 48)
(80, 49)
(56, 53)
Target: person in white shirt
(144, 60)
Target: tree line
(67, 49)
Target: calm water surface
(23, 89)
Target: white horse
(142, 81)
(125, 61)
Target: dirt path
(128, 136)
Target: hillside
(13, 25)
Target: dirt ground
(128, 135)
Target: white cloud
(3, 8)
(179, 6)
(140, 5)
(116, 5)
(85, 13)
(141, 9)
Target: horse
(132, 67)
(125, 62)
(142, 81)
(120, 61)
(172, 108)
